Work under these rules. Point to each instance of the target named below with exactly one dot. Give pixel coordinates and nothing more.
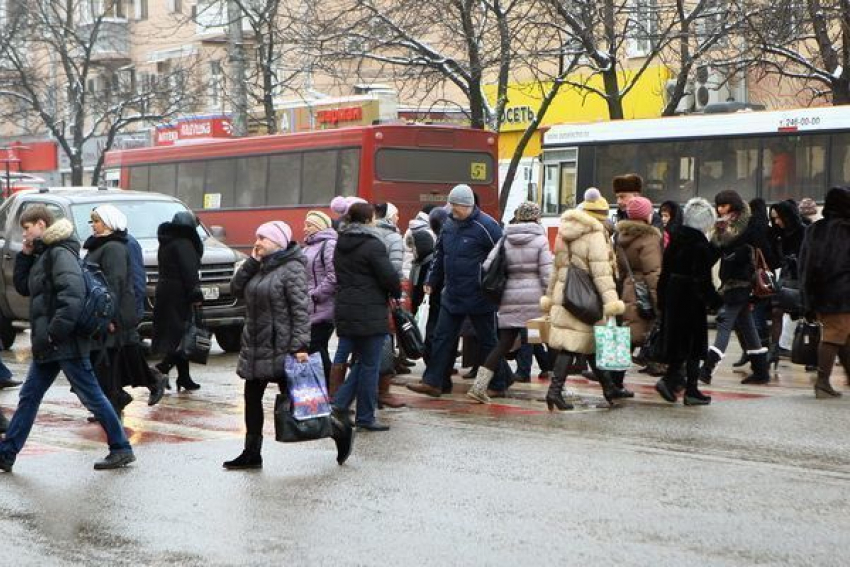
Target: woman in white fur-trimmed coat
(584, 242)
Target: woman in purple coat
(529, 263)
(319, 246)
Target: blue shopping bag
(307, 390)
(613, 346)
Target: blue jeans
(84, 383)
(343, 350)
(736, 315)
(445, 335)
(362, 381)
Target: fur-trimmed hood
(58, 231)
(725, 233)
(629, 231)
(576, 223)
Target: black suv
(145, 211)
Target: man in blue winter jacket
(464, 243)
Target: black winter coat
(112, 254)
(825, 266)
(179, 285)
(735, 241)
(788, 239)
(685, 293)
(277, 319)
(365, 280)
(52, 279)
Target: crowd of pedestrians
(661, 273)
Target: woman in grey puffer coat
(273, 282)
(529, 265)
(386, 225)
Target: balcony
(113, 41)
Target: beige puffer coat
(640, 244)
(583, 241)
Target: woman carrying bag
(178, 290)
(273, 283)
(583, 243)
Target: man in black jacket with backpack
(48, 271)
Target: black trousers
(320, 336)
(254, 416)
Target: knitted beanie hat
(276, 231)
(699, 214)
(527, 212)
(640, 208)
(318, 219)
(595, 204)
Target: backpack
(98, 305)
(99, 308)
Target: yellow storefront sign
(644, 100)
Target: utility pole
(236, 48)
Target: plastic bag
(613, 346)
(307, 389)
(422, 315)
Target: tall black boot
(712, 357)
(4, 423)
(761, 370)
(693, 397)
(555, 394)
(745, 358)
(251, 457)
(609, 390)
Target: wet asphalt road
(761, 477)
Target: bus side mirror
(218, 232)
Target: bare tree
(58, 69)
(804, 40)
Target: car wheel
(229, 338)
(7, 333)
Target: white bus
(774, 155)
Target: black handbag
(788, 296)
(197, 339)
(643, 300)
(650, 350)
(581, 297)
(804, 349)
(495, 278)
(407, 333)
(287, 429)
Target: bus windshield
(143, 217)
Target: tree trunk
(612, 94)
(237, 70)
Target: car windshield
(143, 217)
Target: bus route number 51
(478, 171)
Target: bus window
(284, 179)
(190, 190)
(793, 167)
(220, 182)
(839, 173)
(727, 164)
(319, 177)
(349, 171)
(138, 178)
(251, 174)
(163, 179)
(433, 166)
(667, 168)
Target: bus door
(559, 184)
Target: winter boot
(617, 378)
(385, 399)
(251, 457)
(555, 395)
(343, 434)
(761, 370)
(693, 397)
(4, 423)
(823, 389)
(609, 390)
(712, 357)
(336, 378)
(671, 383)
(478, 391)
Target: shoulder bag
(495, 278)
(804, 349)
(643, 299)
(763, 283)
(197, 339)
(581, 298)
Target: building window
(643, 27)
(140, 9)
(175, 6)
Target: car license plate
(209, 292)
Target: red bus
(241, 183)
